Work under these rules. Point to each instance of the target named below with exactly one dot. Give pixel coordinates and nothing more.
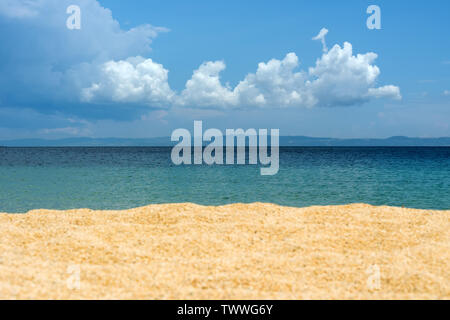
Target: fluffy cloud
(276, 84)
(68, 71)
(205, 89)
(339, 78)
(135, 80)
(51, 63)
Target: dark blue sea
(127, 177)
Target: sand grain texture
(256, 251)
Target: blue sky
(144, 68)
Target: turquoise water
(121, 178)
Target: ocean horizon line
(285, 141)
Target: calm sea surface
(121, 178)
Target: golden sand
(256, 251)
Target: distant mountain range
(288, 141)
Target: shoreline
(43, 210)
(237, 251)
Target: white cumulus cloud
(135, 80)
(205, 88)
(342, 78)
(276, 83)
(56, 57)
(339, 78)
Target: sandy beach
(255, 251)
